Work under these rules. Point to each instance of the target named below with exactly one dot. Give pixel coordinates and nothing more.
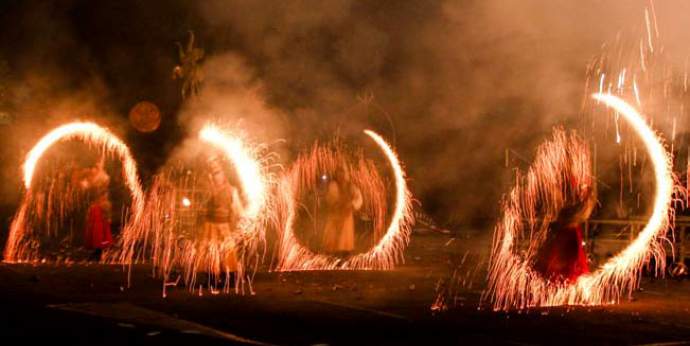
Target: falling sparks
(248, 166)
(92, 134)
(161, 234)
(385, 254)
(649, 30)
(21, 236)
(652, 81)
(513, 284)
(661, 161)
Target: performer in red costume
(97, 234)
(562, 257)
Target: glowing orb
(92, 134)
(384, 255)
(513, 283)
(186, 202)
(145, 116)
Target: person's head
(342, 175)
(214, 163)
(583, 197)
(103, 198)
(217, 175)
(218, 178)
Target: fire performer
(97, 233)
(222, 212)
(562, 256)
(342, 199)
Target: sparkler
(22, 243)
(386, 253)
(248, 166)
(161, 236)
(512, 281)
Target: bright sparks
(93, 135)
(248, 167)
(513, 284)
(162, 237)
(186, 202)
(634, 254)
(386, 253)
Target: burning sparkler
(386, 253)
(637, 70)
(248, 166)
(513, 283)
(22, 243)
(170, 235)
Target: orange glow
(248, 167)
(186, 202)
(384, 255)
(512, 282)
(92, 134)
(157, 238)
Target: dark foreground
(89, 305)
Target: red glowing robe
(562, 257)
(97, 232)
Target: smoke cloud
(453, 84)
(462, 80)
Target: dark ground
(87, 304)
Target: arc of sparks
(383, 256)
(659, 220)
(248, 168)
(512, 283)
(92, 134)
(157, 240)
(402, 194)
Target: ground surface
(89, 304)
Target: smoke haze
(452, 83)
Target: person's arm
(333, 193)
(357, 199)
(237, 206)
(108, 211)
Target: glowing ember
(186, 202)
(385, 254)
(17, 248)
(512, 281)
(175, 244)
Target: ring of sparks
(249, 170)
(513, 284)
(156, 240)
(293, 256)
(92, 134)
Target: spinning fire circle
(385, 254)
(513, 284)
(16, 248)
(158, 237)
